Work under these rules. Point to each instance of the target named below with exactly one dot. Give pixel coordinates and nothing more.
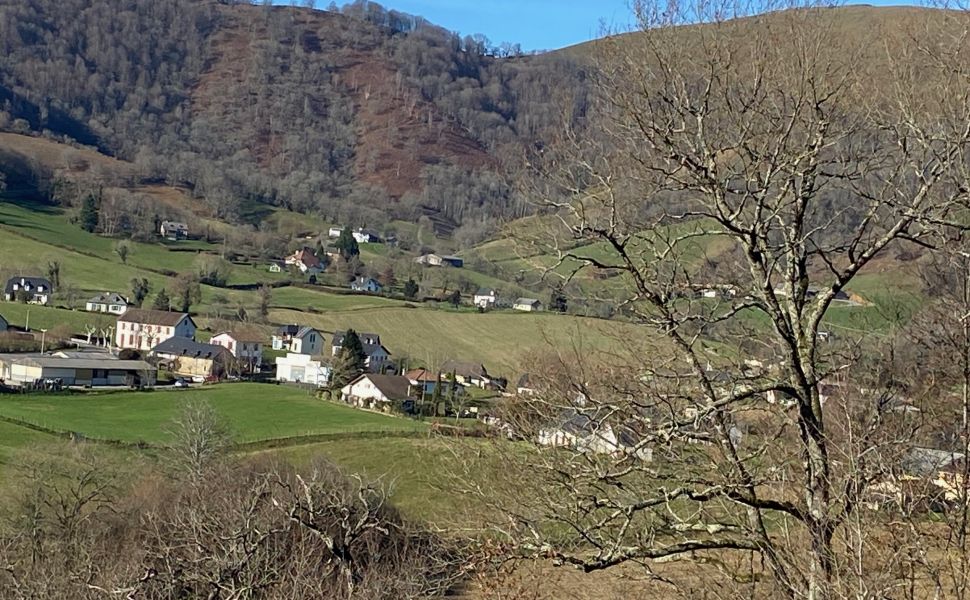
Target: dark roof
(109, 298)
(465, 369)
(365, 339)
(484, 292)
(394, 387)
(31, 282)
(298, 331)
(153, 317)
(370, 349)
(928, 461)
(179, 346)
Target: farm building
(99, 369)
(174, 230)
(141, 329)
(527, 304)
(189, 357)
(35, 290)
(303, 368)
(108, 302)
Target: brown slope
(398, 134)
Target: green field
(254, 412)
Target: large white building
(108, 302)
(377, 391)
(302, 368)
(301, 340)
(140, 329)
(245, 345)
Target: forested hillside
(358, 114)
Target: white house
(36, 289)
(365, 236)
(174, 230)
(306, 261)
(297, 339)
(108, 302)
(366, 284)
(303, 368)
(527, 304)
(246, 345)
(485, 298)
(335, 232)
(140, 329)
(376, 391)
(579, 432)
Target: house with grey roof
(143, 329)
(378, 391)
(527, 304)
(107, 302)
(183, 356)
(298, 339)
(378, 357)
(33, 290)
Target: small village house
(485, 298)
(366, 284)
(303, 368)
(77, 369)
(143, 329)
(245, 345)
(467, 373)
(35, 290)
(527, 304)
(335, 232)
(380, 392)
(174, 230)
(306, 261)
(298, 339)
(366, 236)
(277, 266)
(436, 260)
(584, 433)
(188, 357)
(378, 357)
(107, 302)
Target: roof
(421, 375)
(56, 362)
(365, 339)
(485, 292)
(526, 301)
(451, 258)
(154, 317)
(178, 224)
(33, 282)
(371, 349)
(179, 346)
(244, 334)
(464, 369)
(306, 256)
(298, 331)
(394, 387)
(109, 298)
(929, 461)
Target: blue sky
(535, 24)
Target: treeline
(143, 80)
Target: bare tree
(764, 137)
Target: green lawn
(254, 412)
(14, 437)
(46, 317)
(301, 298)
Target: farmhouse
(108, 302)
(306, 261)
(366, 284)
(527, 304)
(303, 368)
(184, 356)
(141, 329)
(245, 344)
(95, 369)
(34, 290)
(585, 433)
(485, 298)
(377, 355)
(297, 339)
(436, 260)
(467, 373)
(377, 391)
(174, 230)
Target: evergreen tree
(89, 214)
(162, 301)
(139, 290)
(346, 244)
(455, 298)
(354, 349)
(557, 301)
(411, 289)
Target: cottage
(467, 373)
(141, 329)
(303, 368)
(583, 432)
(108, 302)
(298, 339)
(174, 230)
(335, 232)
(245, 344)
(33, 290)
(378, 356)
(366, 236)
(80, 369)
(527, 304)
(184, 356)
(377, 391)
(277, 266)
(436, 260)
(306, 261)
(485, 298)
(366, 284)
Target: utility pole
(43, 339)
